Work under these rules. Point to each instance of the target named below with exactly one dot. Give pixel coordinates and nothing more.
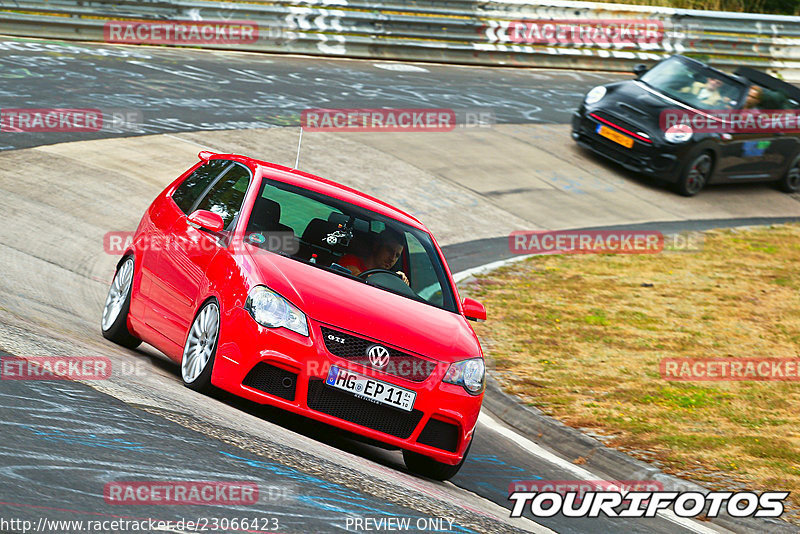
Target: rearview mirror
(640, 69)
(473, 310)
(207, 220)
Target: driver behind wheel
(382, 255)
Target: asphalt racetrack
(60, 193)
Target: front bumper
(653, 159)
(287, 370)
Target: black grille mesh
(362, 412)
(440, 435)
(354, 349)
(270, 379)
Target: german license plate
(370, 389)
(615, 136)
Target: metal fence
(494, 32)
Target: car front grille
(440, 435)
(620, 122)
(354, 349)
(272, 380)
(362, 412)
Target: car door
(752, 156)
(189, 251)
(757, 153)
(157, 313)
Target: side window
(190, 190)
(227, 195)
(423, 276)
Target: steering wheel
(370, 272)
(393, 283)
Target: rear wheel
(695, 175)
(201, 348)
(422, 465)
(790, 183)
(114, 323)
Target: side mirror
(640, 69)
(473, 310)
(205, 155)
(206, 220)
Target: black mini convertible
(691, 125)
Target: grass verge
(581, 337)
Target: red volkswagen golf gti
(292, 290)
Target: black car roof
(770, 82)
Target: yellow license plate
(615, 136)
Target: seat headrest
(268, 210)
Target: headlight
(678, 133)
(273, 311)
(467, 373)
(595, 95)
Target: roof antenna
(299, 142)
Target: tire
(790, 183)
(425, 466)
(695, 175)
(200, 348)
(114, 322)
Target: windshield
(693, 84)
(349, 241)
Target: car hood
(637, 104)
(351, 305)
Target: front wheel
(422, 465)
(114, 323)
(695, 175)
(790, 183)
(201, 348)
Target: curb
(611, 464)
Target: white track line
(579, 472)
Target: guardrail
(493, 32)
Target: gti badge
(378, 356)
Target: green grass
(581, 337)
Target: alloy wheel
(201, 343)
(698, 174)
(118, 293)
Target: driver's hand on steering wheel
(403, 277)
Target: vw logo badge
(378, 356)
